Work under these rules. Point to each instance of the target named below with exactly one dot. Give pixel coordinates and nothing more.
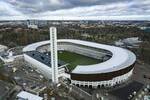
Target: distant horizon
(78, 19)
(68, 20)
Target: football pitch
(74, 59)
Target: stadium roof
(121, 58)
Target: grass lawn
(76, 59)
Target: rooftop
(28, 96)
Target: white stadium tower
(116, 70)
(54, 58)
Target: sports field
(76, 59)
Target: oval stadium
(106, 65)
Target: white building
(32, 24)
(23, 95)
(113, 71)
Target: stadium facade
(115, 70)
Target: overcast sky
(75, 9)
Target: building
(32, 24)
(23, 95)
(42, 63)
(133, 42)
(115, 70)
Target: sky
(75, 9)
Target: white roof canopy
(121, 58)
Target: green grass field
(76, 59)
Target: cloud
(79, 9)
(7, 9)
(119, 9)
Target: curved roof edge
(121, 58)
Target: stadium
(85, 63)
